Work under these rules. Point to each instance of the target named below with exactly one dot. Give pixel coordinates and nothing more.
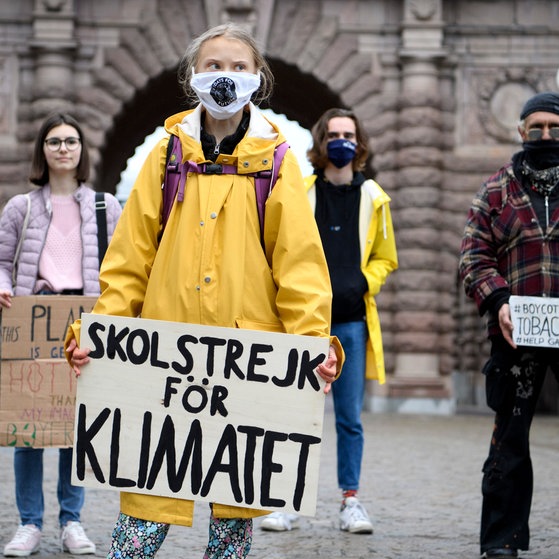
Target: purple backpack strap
(264, 184)
(176, 173)
(173, 175)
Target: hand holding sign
(327, 369)
(506, 325)
(78, 356)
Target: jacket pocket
(261, 326)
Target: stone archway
(114, 66)
(301, 97)
(428, 78)
(146, 111)
(110, 61)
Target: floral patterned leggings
(133, 538)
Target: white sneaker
(74, 540)
(279, 522)
(25, 542)
(354, 517)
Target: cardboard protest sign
(201, 413)
(37, 386)
(535, 321)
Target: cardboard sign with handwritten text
(202, 413)
(37, 386)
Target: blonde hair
(233, 31)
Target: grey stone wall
(437, 83)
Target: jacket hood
(254, 153)
(376, 194)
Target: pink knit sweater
(60, 265)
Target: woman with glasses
(53, 229)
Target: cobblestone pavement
(420, 484)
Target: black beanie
(547, 102)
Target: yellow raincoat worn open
(209, 267)
(378, 259)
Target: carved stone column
(53, 46)
(420, 289)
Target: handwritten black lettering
(250, 450)
(137, 355)
(227, 444)
(166, 448)
(144, 450)
(98, 349)
(306, 372)
(154, 357)
(291, 373)
(189, 360)
(255, 360)
(114, 480)
(84, 446)
(234, 352)
(37, 312)
(212, 343)
(114, 340)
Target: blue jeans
(28, 467)
(348, 392)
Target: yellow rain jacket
(378, 260)
(210, 266)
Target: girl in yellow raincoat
(210, 265)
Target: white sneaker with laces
(279, 522)
(74, 540)
(25, 542)
(354, 517)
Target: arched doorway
(300, 97)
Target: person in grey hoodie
(49, 245)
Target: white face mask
(224, 94)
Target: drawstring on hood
(384, 232)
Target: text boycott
(535, 321)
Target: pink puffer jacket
(11, 224)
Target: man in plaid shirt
(511, 247)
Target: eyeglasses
(535, 134)
(54, 144)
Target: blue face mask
(341, 152)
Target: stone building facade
(437, 83)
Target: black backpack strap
(101, 213)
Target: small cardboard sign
(202, 413)
(35, 327)
(535, 321)
(37, 386)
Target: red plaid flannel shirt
(504, 246)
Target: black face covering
(540, 164)
(541, 154)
